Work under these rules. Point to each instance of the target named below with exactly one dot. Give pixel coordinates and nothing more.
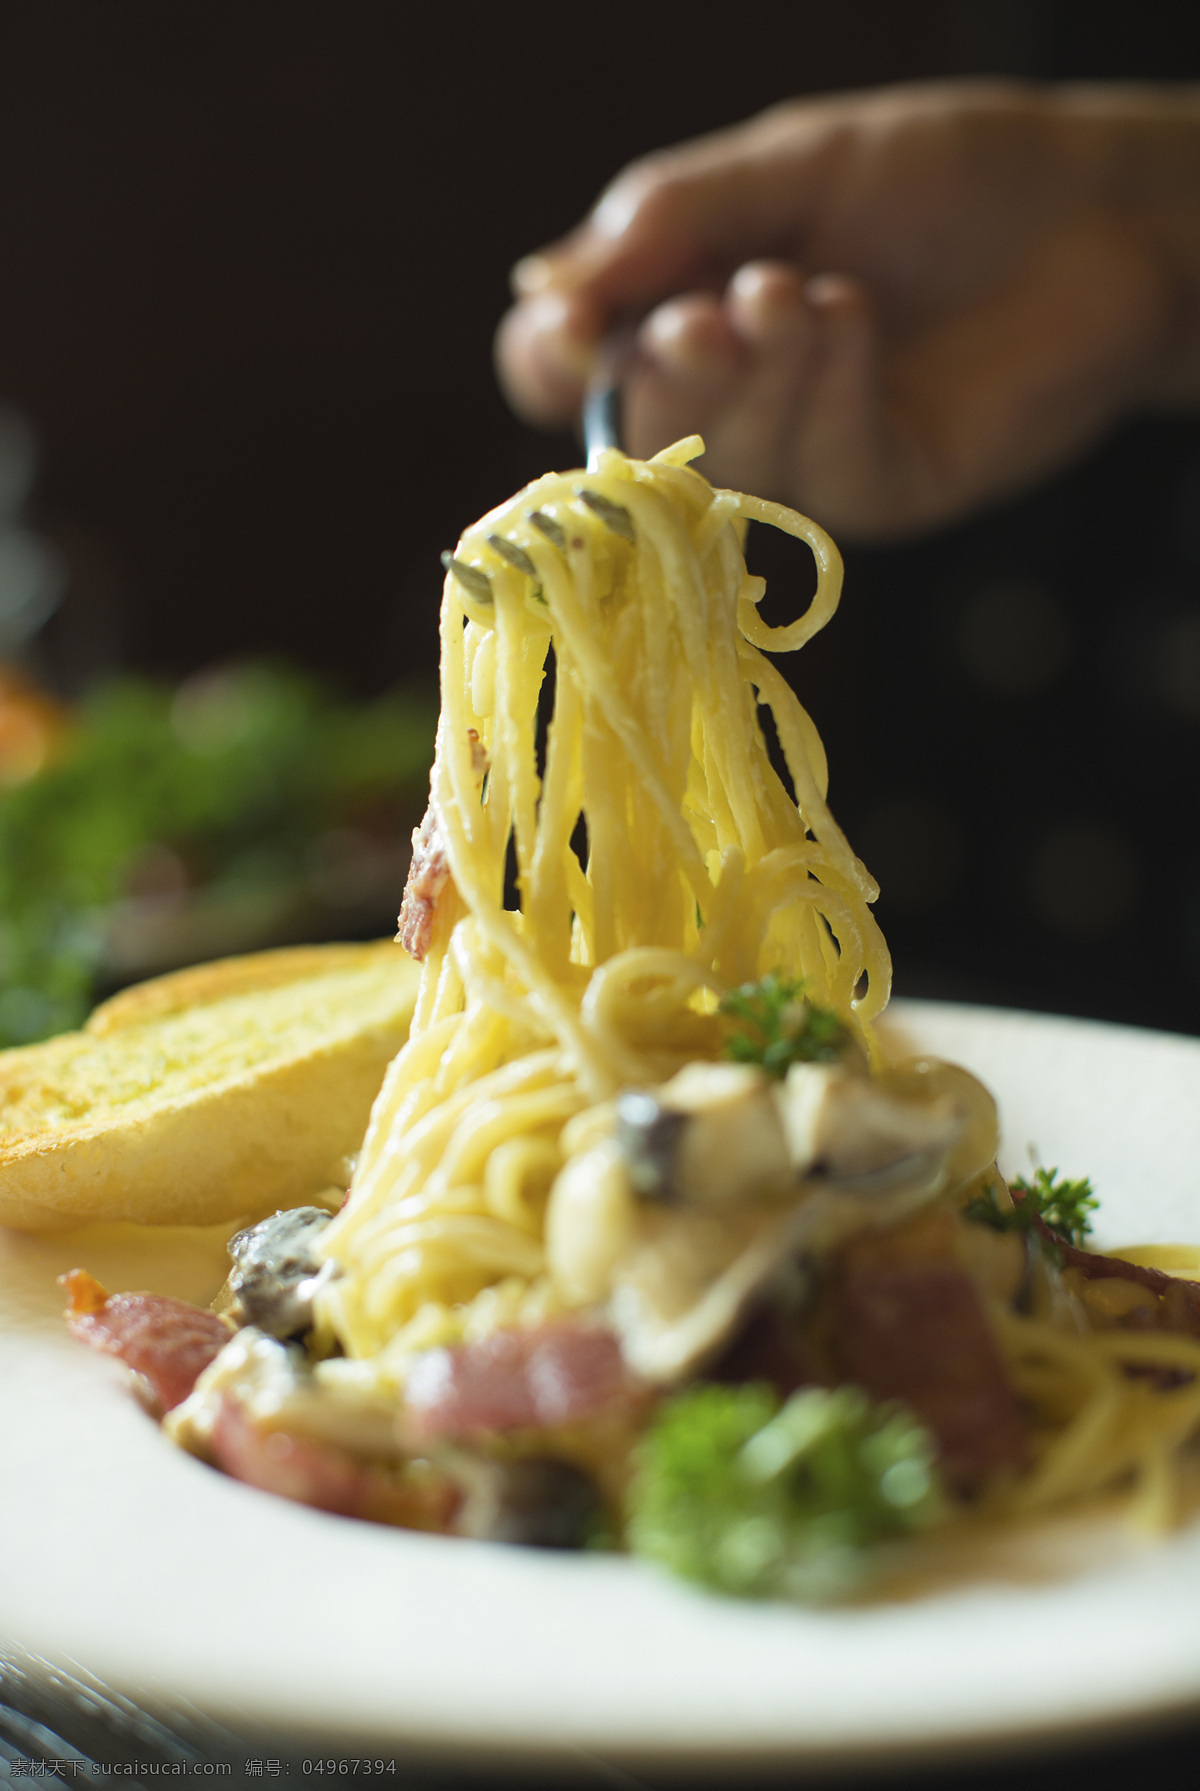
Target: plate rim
(1143, 1714)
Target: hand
(886, 308)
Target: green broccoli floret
(1066, 1207)
(775, 1026)
(751, 1497)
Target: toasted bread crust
(225, 1143)
(203, 984)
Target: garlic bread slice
(219, 1091)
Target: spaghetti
(700, 871)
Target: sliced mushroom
(851, 1130)
(930, 1079)
(713, 1183)
(710, 1136)
(275, 1265)
(537, 1500)
(863, 1154)
(682, 1289)
(591, 1223)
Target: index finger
(684, 219)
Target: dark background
(251, 257)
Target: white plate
(169, 1580)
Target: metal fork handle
(602, 397)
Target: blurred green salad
(248, 807)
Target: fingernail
(748, 282)
(532, 274)
(670, 336)
(615, 211)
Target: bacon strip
(166, 1341)
(907, 1323)
(1093, 1265)
(479, 754)
(428, 875)
(918, 1333)
(317, 1473)
(519, 1380)
(279, 1462)
(1177, 1301)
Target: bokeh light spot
(1013, 638)
(1084, 880)
(1176, 666)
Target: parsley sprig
(775, 1025)
(1064, 1207)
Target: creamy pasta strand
(659, 860)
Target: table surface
(68, 1726)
